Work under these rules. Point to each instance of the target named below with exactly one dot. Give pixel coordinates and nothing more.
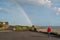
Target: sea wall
(55, 31)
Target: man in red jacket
(49, 31)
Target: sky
(30, 12)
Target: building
(4, 25)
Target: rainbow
(24, 12)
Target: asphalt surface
(27, 35)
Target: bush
(21, 28)
(32, 28)
(18, 28)
(1, 25)
(25, 28)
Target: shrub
(18, 28)
(1, 25)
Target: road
(27, 35)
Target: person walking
(49, 31)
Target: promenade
(27, 35)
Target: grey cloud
(36, 2)
(3, 10)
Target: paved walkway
(25, 36)
(6, 31)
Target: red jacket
(49, 29)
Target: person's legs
(48, 34)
